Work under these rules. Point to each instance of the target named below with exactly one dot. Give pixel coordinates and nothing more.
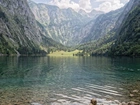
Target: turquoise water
(68, 80)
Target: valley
(37, 28)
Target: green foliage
(31, 51)
(98, 47)
(126, 49)
(128, 41)
(125, 41)
(5, 48)
(16, 35)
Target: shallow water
(68, 80)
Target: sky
(87, 5)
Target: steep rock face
(62, 25)
(102, 25)
(125, 12)
(93, 14)
(18, 26)
(83, 33)
(128, 34)
(19, 32)
(110, 22)
(124, 38)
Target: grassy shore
(64, 53)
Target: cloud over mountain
(108, 5)
(87, 5)
(82, 4)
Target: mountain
(62, 25)
(127, 8)
(102, 25)
(128, 34)
(83, 13)
(27, 32)
(123, 39)
(19, 31)
(93, 14)
(85, 31)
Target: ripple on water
(64, 81)
(87, 93)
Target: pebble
(116, 102)
(135, 91)
(133, 103)
(35, 104)
(61, 100)
(131, 95)
(93, 102)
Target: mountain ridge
(102, 25)
(123, 39)
(128, 34)
(27, 32)
(19, 32)
(62, 25)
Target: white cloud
(65, 4)
(83, 4)
(102, 5)
(108, 5)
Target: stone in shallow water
(116, 101)
(123, 103)
(67, 103)
(135, 91)
(131, 95)
(94, 102)
(55, 103)
(61, 100)
(133, 103)
(35, 104)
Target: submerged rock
(131, 95)
(130, 103)
(135, 91)
(35, 104)
(93, 102)
(133, 103)
(123, 103)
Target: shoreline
(95, 102)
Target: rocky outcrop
(93, 102)
(124, 14)
(127, 37)
(19, 14)
(19, 32)
(102, 25)
(62, 25)
(93, 14)
(109, 22)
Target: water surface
(68, 80)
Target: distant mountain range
(29, 28)
(117, 35)
(128, 32)
(19, 31)
(62, 25)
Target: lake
(68, 80)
